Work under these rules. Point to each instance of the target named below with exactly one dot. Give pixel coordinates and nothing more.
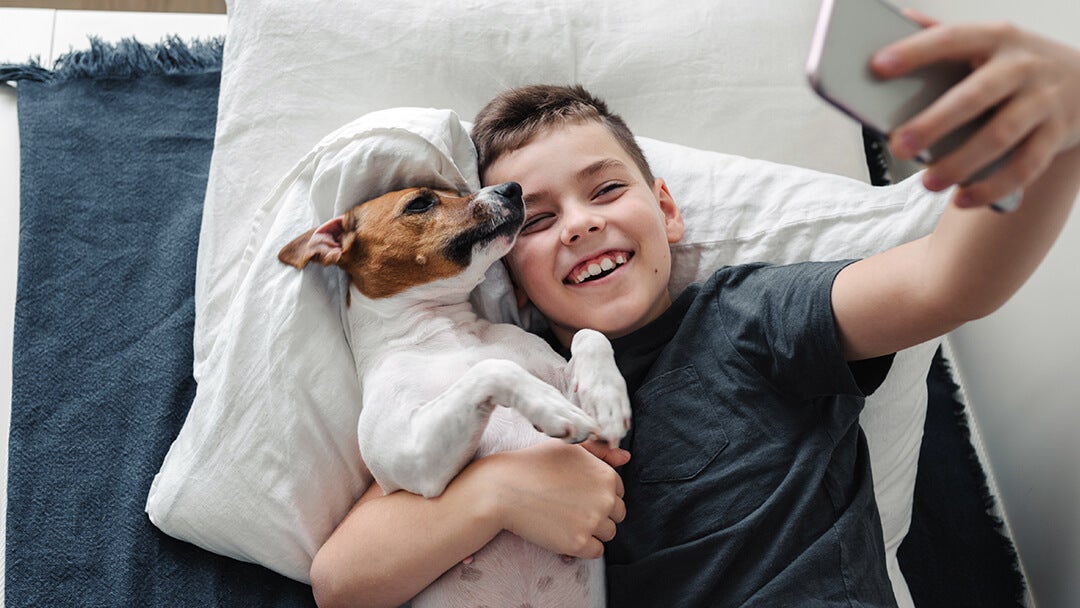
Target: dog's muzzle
(498, 211)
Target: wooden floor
(168, 6)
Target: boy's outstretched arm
(389, 548)
(975, 259)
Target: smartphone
(847, 35)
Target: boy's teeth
(603, 265)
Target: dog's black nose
(509, 190)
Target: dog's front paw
(606, 399)
(561, 419)
(599, 386)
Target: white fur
(434, 376)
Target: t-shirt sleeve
(779, 320)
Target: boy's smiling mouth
(597, 267)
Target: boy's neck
(565, 334)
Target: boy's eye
(538, 222)
(609, 189)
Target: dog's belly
(514, 573)
(510, 571)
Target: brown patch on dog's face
(404, 238)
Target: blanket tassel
(126, 59)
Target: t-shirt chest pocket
(677, 429)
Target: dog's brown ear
(322, 244)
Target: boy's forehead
(584, 135)
(579, 147)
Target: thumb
(615, 457)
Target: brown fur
(384, 249)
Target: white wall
(1021, 366)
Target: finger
(593, 549)
(919, 17)
(620, 491)
(1004, 131)
(605, 531)
(596, 447)
(965, 43)
(968, 100)
(1027, 162)
(618, 512)
(615, 457)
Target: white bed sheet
(1029, 453)
(47, 34)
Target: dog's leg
(599, 385)
(422, 449)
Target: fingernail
(910, 143)
(887, 61)
(933, 182)
(964, 200)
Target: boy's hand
(559, 496)
(1033, 82)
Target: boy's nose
(581, 225)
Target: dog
(434, 373)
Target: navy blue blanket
(116, 144)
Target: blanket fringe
(124, 60)
(989, 501)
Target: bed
(77, 533)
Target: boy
(750, 482)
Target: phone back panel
(848, 34)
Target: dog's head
(414, 237)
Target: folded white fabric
(267, 462)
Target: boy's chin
(565, 333)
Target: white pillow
(267, 463)
(711, 76)
(718, 76)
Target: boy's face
(594, 251)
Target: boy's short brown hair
(515, 116)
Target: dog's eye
(420, 204)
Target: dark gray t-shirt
(749, 482)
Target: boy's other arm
(975, 259)
(389, 548)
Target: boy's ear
(673, 221)
(322, 244)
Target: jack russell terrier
(433, 373)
